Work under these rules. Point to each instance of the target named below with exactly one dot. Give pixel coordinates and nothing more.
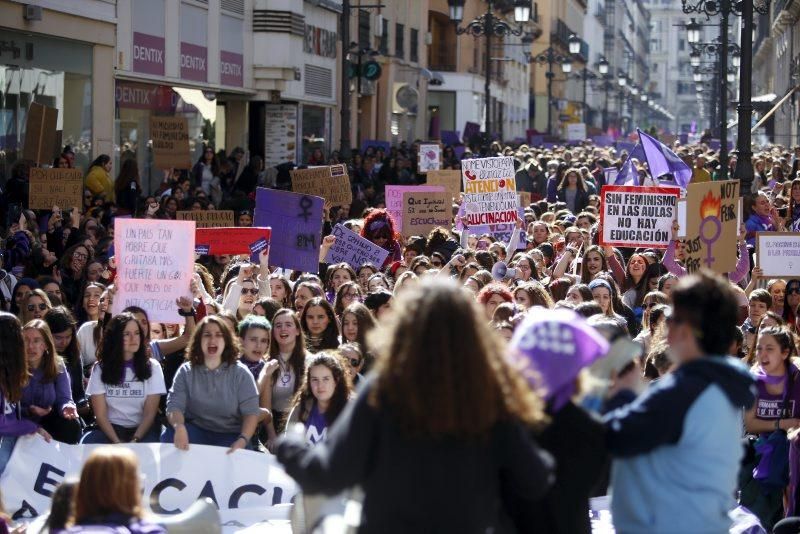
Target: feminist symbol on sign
(305, 205)
(709, 211)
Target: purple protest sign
(394, 199)
(231, 68)
(471, 129)
(602, 140)
(459, 151)
(194, 60)
(354, 250)
(148, 53)
(296, 222)
(450, 137)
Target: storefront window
(315, 134)
(137, 102)
(52, 72)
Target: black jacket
(419, 485)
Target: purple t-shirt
(316, 427)
(770, 407)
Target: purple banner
(231, 69)
(296, 222)
(194, 60)
(471, 129)
(148, 53)
(450, 137)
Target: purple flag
(628, 174)
(296, 222)
(556, 345)
(661, 160)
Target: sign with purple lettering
(193, 62)
(231, 68)
(354, 250)
(296, 222)
(148, 53)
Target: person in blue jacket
(677, 447)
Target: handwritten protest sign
(637, 216)
(207, 218)
(490, 190)
(422, 212)
(40, 134)
(449, 179)
(429, 158)
(296, 222)
(170, 136)
(330, 183)
(711, 226)
(354, 250)
(234, 240)
(155, 263)
(394, 198)
(778, 254)
(55, 187)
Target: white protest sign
(155, 263)
(490, 190)
(394, 199)
(634, 216)
(247, 486)
(778, 254)
(354, 250)
(430, 158)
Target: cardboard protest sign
(207, 218)
(394, 198)
(778, 254)
(449, 179)
(330, 183)
(40, 134)
(636, 217)
(354, 250)
(711, 226)
(296, 222)
(429, 158)
(170, 136)
(490, 190)
(422, 212)
(55, 187)
(155, 263)
(234, 240)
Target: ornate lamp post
(549, 57)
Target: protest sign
(170, 136)
(778, 254)
(331, 183)
(40, 134)
(422, 212)
(429, 158)
(450, 180)
(471, 129)
(354, 250)
(394, 199)
(610, 175)
(711, 226)
(55, 187)
(450, 137)
(296, 222)
(155, 263)
(490, 190)
(681, 218)
(635, 216)
(207, 218)
(172, 480)
(233, 240)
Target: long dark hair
(214, 160)
(304, 399)
(586, 276)
(100, 160)
(297, 360)
(60, 319)
(338, 302)
(330, 336)
(111, 356)
(364, 318)
(14, 373)
(129, 172)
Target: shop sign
(148, 53)
(194, 60)
(231, 68)
(160, 98)
(319, 41)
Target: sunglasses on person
(248, 291)
(437, 264)
(32, 307)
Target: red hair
(380, 223)
(493, 289)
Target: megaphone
(202, 517)
(501, 271)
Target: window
(363, 29)
(384, 46)
(681, 44)
(413, 53)
(399, 41)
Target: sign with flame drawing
(711, 226)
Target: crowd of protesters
(437, 370)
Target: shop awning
(195, 97)
(433, 77)
(780, 102)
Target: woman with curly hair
(379, 228)
(322, 397)
(392, 439)
(491, 296)
(532, 294)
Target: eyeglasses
(42, 307)
(354, 362)
(80, 256)
(351, 296)
(248, 291)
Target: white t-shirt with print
(126, 400)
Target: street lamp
(694, 58)
(602, 66)
(549, 57)
(693, 31)
(489, 25)
(574, 44)
(566, 66)
(697, 75)
(622, 80)
(736, 58)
